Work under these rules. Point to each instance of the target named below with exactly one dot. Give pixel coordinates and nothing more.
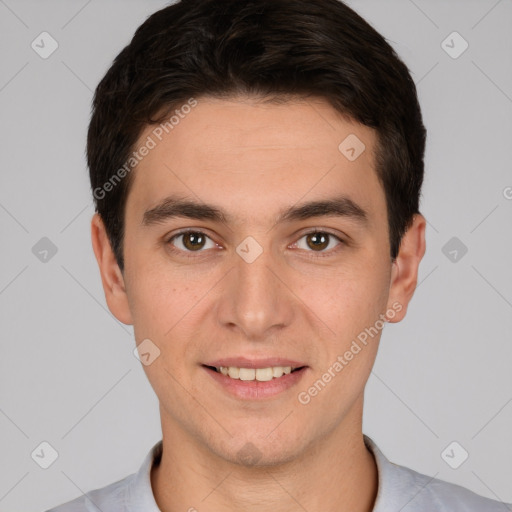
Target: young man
(257, 167)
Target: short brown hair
(219, 48)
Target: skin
(254, 159)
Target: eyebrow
(172, 206)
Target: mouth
(251, 374)
(265, 382)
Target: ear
(404, 272)
(111, 275)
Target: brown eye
(318, 241)
(191, 241)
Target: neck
(338, 473)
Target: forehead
(255, 156)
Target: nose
(256, 300)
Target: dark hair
(267, 48)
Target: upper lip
(243, 362)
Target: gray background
(68, 374)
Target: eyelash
(190, 254)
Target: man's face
(294, 291)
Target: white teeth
(264, 374)
(247, 374)
(234, 372)
(261, 374)
(277, 371)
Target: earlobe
(111, 276)
(404, 274)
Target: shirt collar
(140, 493)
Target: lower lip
(255, 389)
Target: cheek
(349, 298)
(166, 303)
(153, 297)
(350, 304)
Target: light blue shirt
(400, 489)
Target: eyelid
(322, 230)
(184, 231)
